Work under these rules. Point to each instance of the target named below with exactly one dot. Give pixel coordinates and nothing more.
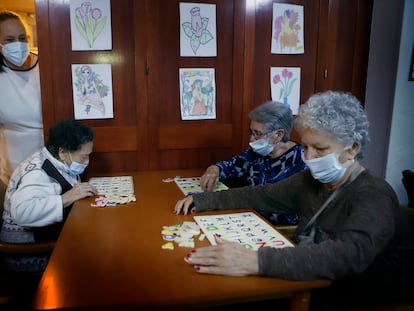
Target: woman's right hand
(185, 206)
(210, 178)
(79, 191)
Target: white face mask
(328, 169)
(16, 52)
(262, 146)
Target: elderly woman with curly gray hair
(350, 229)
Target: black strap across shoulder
(51, 232)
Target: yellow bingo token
(165, 231)
(168, 245)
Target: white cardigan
(33, 198)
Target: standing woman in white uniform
(21, 124)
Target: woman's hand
(210, 178)
(79, 191)
(225, 258)
(185, 206)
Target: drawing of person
(90, 96)
(199, 107)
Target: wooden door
(262, 59)
(147, 131)
(343, 46)
(118, 140)
(178, 143)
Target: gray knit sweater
(361, 223)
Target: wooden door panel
(164, 62)
(196, 136)
(119, 140)
(147, 131)
(264, 60)
(343, 46)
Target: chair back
(408, 182)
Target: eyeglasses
(257, 134)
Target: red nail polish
(197, 268)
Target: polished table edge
(299, 297)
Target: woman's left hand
(225, 258)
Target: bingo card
(246, 228)
(113, 185)
(191, 185)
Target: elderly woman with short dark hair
(43, 188)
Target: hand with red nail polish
(225, 258)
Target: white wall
(381, 79)
(389, 98)
(401, 143)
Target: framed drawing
(197, 93)
(92, 91)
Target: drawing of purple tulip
(196, 24)
(89, 22)
(197, 30)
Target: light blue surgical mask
(75, 168)
(16, 52)
(262, 146)
(328, 169)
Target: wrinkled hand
(210, 178)
(225, 258)
(79, 191)
(185, 206)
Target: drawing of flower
(287, 84)
(286, 29)
(196, 30)
(89, 22)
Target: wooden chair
(16, 288)
(408, 183)
(408, 213)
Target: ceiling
(27, 6)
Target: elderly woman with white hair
(350, 229)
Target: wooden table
(111, 259)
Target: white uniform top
(21, 123)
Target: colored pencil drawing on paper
(197, 93)
(198, 29)
(285, 86)
(287, 29)
(90, 23)
(92, 91)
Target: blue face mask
(328, 169)
(16, 52)
(75, 168)
(262, 146)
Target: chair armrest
(26, 248)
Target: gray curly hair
(338, 114)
